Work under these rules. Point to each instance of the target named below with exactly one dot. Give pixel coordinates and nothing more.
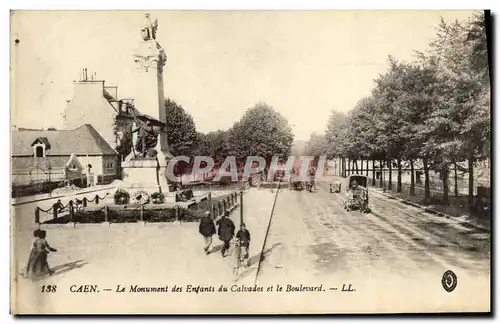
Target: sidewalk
(464, 220)
(42, 197)
(170, 253)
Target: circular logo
(449, 281)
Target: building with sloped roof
(57, 155)
(94, 103)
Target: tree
(316, 145)
(334, 133)
(260, 132)
(181, 130)
(335, 136)
(460, 122)
(414, 104)
(215, 145)
(390, 140)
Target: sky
(219, 63)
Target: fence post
(84, 202)
(142, 213)
(177, 212)
(54, 212)
(221, 211)
(71, 211)
(209, 195)
(106, 219)
(224, 205)
(97, 199)
(37, 215)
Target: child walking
(243, 237)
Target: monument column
(141, 171)
(149, 96)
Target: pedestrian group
(225, 232)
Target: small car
(335, 187)
(357, 193)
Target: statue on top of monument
(148, 32)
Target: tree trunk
(389, 185)
(444, 173)
(373, 172)
(356, 166)
(412, 178)
(456, 179)
(381, 174)
(471, 182)
(367, 168)
(348, 166)
(398, 189)
(361, 164)
(427, 189)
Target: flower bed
(140, 197)
(131, 213)
(157, 198)
(121, 197)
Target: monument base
(144, 174)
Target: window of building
(109, 165)
(39, 151)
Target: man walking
(226, 231)
(207, 230)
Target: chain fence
(84, 211)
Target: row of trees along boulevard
(261, 131)
(434, 110)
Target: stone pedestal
(146, 174)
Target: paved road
(396, 247)
(394, 258)
(394, 236)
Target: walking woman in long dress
(33, 253)
(38, 266)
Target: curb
(59, 196)
(437, 213)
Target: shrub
(121, 197)
(158, 198)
